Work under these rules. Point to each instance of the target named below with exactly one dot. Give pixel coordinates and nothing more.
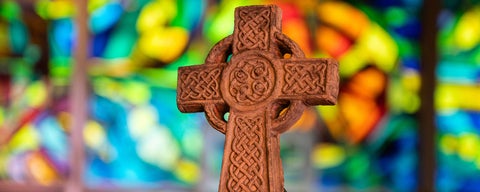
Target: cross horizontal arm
(197, 86)
(315, 81)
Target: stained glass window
(456, 95)
(33, 106)
(136, 137)
(370, 138)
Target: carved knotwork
(264, 93)
(253, 29)
(304, 79)
(248, 155)
(201, 84)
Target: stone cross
(263, 81)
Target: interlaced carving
(202, 84)
(253, 85)
(248, 155)
(253, 29)
(304, 79)
(251, 81)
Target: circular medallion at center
(249, 79)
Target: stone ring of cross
(249, 75)
(250, 79)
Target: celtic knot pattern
(253, 84)
(307, 78)
(251, 81)
(201, 85)
(253, 29)
(248, 155)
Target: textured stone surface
(263, 91)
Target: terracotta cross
(262, 79)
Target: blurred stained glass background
(456, 96)
(136, 137)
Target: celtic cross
(249, 75)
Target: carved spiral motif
(251, 81)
